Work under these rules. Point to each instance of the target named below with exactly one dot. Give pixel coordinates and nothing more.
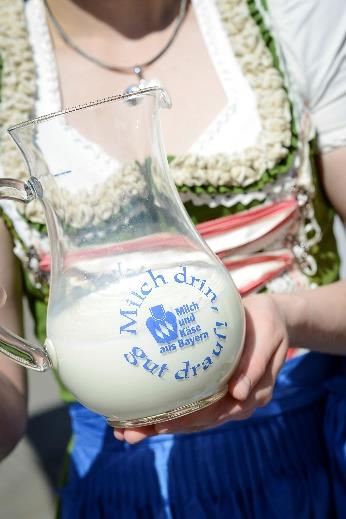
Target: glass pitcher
(144, 323)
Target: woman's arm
(332, 168)
(12, 377)
(316, 319)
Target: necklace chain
(134, 69)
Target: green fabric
(326, 252)
(203, 213)
(266, 34)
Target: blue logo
(162, 325)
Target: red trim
(260, 282)
(234, 221)
(286, 258)
(291, 352)
(260, 242)
(254, 260)
(210, 228)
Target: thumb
(240, 387)
(257, 352)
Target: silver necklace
(138, 69)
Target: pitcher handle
(16, 348)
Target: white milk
(151, 342)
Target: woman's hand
(251, 385)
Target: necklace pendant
(132, 89)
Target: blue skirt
(288, 461)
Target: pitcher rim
(89, 104)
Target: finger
(264, 389)
(240, 386)
(239, 412)
(252, 363)
(138, 434)
(257, 354)
(241, 383)
(3, 297)
(262, 392)
(119, 434)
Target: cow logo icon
(162, 325)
